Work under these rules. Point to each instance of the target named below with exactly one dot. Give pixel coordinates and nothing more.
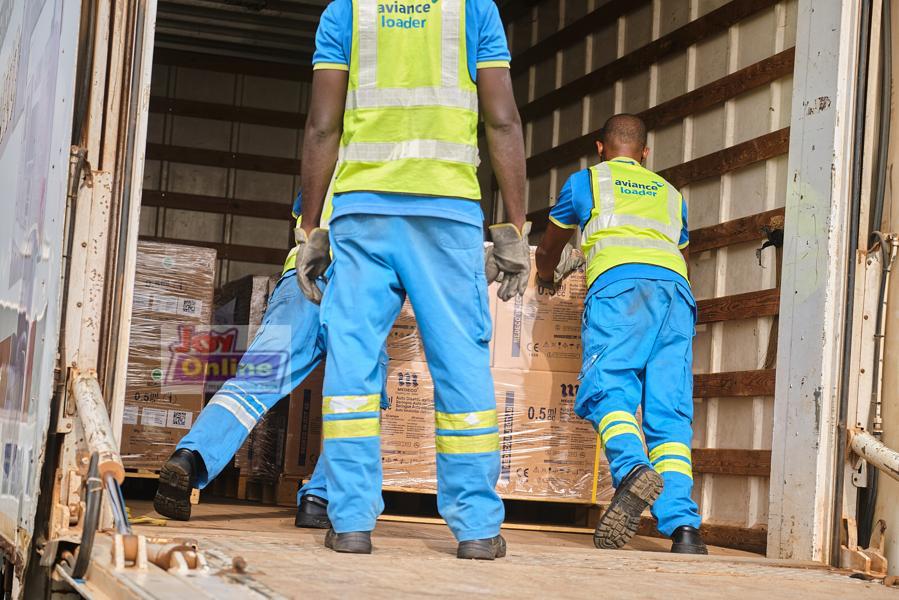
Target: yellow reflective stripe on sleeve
(558, 223)
(493, 64)
(673, 465)
(466, 421)
(467, 444)
(620, 429)
(342, 405)
(330, 67)
(684, 245)
(618, 415)
(670, 449)
(351, 428)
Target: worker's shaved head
(623, 135)
(624, 131)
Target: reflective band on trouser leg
(351, 416)
(342, 405)
(465, 421)
(674, 465)
(670, 449)
(351, 428)
(626, 424)
(236, 407)
(468, 444)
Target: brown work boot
(639, 489)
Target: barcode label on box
(180, 419)
(188, 307)
(155, 417)
(129, 415)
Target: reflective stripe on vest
(411, 116)
(636, 218)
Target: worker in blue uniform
(395, 94)
(639, 320)
(290, 325)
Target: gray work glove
(509, 260)
(570, 261)
(313, 259)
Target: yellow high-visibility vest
(411, 118)
(636, 218)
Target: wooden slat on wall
(251, 254)
(726, 461)
(227, 160)
(734, 384)
(574, 33)
(729, 233)
(703, 98)
(704, 27)
(231, 64)
(730, 159)
(215, 204)
(227, 112)
(765, 303)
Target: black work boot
(312, 513)
(488, 549)
(639, 489)
(353, 542)
(177, 479)
(687, 540)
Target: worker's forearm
(547, 259)
(319, 158)
(506, 146)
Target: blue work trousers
(439, 264)
(290, 328)
(638, 352)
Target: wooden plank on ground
(216, 204)
(750, 539)
(227, 160)
(231, 64)
(733, 232)
(703, 98)
(727, 461)
(765, 303)
(574, 33)
(734, 384)
(227, 112)
(251, 254)
(715, 22)
(730, 159)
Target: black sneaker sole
(173, 495)
(485, 551)
(306, 521)
(619, 524)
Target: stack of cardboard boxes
(172, 304)
(547, 452)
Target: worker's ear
(599, 148)
(645, 153)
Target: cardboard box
(540, 331)
(304, 425)
(244, 302)
(172, 300)
(546, 450)
(408, 449)
(404, 341)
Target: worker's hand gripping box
(172, 302)
(541, 330)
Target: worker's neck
(616, 153)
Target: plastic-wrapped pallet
(172, 306)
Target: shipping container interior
(711, 78)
